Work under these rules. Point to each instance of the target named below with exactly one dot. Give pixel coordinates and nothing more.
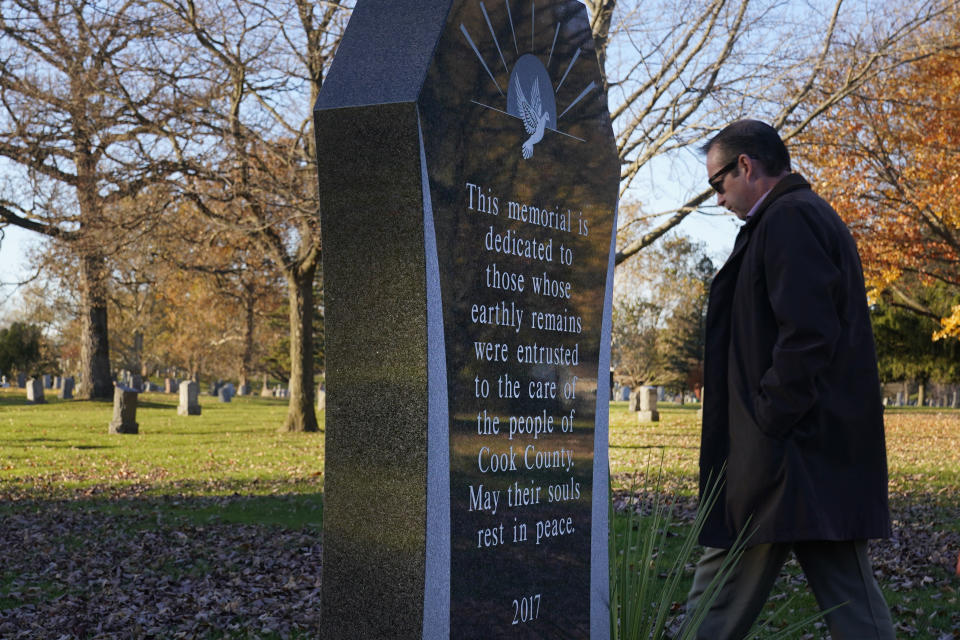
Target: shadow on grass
(184, 502)
(50, 443)
(653, 446)
(117, 562)
(156, 405)
(12, 400)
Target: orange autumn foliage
(888, 159)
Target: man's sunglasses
(716, 180)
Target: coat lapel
(790, 182)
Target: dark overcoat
(792, 409)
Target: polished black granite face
(523, 302)
(507, 237)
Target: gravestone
(625, 393)
(189, 398)
(266, 392)
(321, 397)
(648, 405)
(169, 385)
(634, 402)
(224, 394)
(21, 380)
(47, 381)
(35, 391)
(4, 383)
(468, 181)
(124, 410)
(66, 390)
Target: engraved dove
(533, 116)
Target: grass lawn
(208, 526)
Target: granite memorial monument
(468, 181)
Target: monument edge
(599, 535)
(436, 602)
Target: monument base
(127, 428)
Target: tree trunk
(921, 393)
(300, 413)
(139, 365)
(94, 347)
(246, 360)
(601, 18)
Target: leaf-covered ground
(916, 567)
(209, 527)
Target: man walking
(793, 418)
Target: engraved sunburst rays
(531, 96)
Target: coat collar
(789, 182)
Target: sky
(13, 265)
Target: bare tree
(77, 111)
(253, 170)
(677, 70)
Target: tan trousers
(839, 573)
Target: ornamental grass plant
(647, 570)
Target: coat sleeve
(803, 282)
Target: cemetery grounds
(209, 526)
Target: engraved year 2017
(526, 609)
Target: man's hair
(754, 138)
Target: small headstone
(35, 391)
(648, 405)
(224, 394)
(321, 397)
(189, 398)
(124, 410)
(625, 393)
(170, 385)
(21, 380)
(4, 383)
(47, 381)
(634, 404)
(57, 382)
(66, 389)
